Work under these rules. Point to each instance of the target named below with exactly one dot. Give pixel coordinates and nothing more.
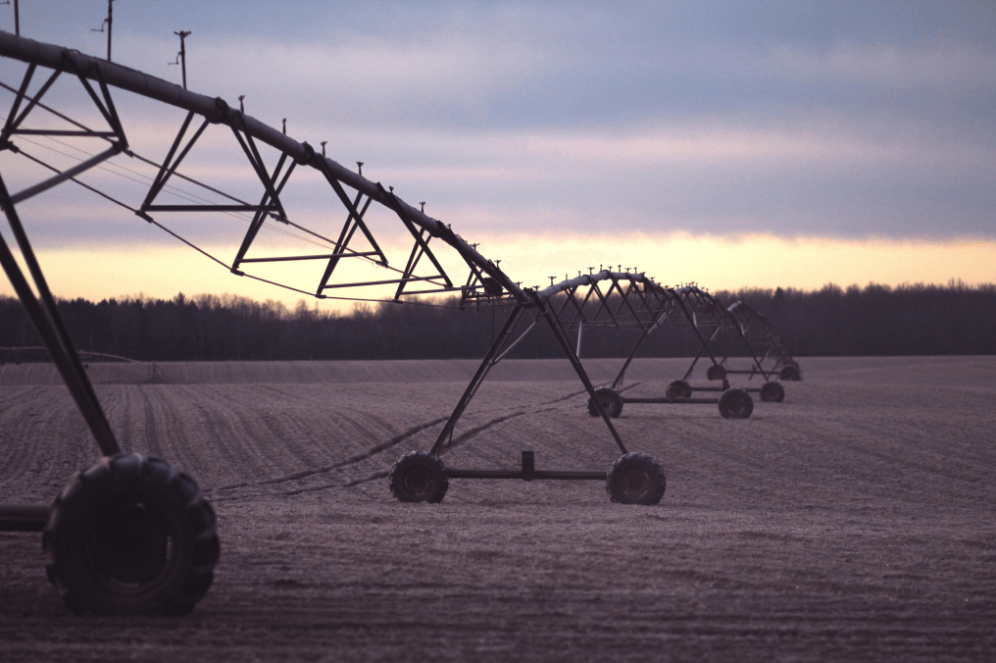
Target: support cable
(198, 249)
(183, 196)
(396, 202)
(213, 257)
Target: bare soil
(852, 522)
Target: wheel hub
(418, 480)
(635, 483)
(130, 544)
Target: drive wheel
(419, 476)
(679, 389)
(132, 535)
(635, 479)
(716, 372)
(790, 374)
(772, 392)
(735, 404)
(610, 400)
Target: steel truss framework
(633, 300)
(710, 315)
(756, 326)
(485, 282)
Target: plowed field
(854, 521)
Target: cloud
(779, 143)
(945, 65)
(797, 119)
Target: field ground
(852, 522)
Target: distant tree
(832, 321)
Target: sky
(730, 144)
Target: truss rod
(325, 256)
(486, 364)
(430, 279)
(565, 344)
(65, 175)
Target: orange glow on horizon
(716, 263)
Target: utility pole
(109, 21)
(17, 17)
(182, 55)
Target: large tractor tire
(610, 400)
(635, 479)
(772, 392)
(679, 389)
(132, 535)
(419, 476)
(716, 372)
(790, 374)
(735, 404)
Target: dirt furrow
(851, 523)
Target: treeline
(875, 320)
(880, 321)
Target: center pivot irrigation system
(134, 534)
(648, 306)
(755, 325)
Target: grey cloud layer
(829, 119)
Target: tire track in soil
(288, 442)
(584, 392)
(293, 440)
(360, 426)
(466, 436)
(474, 432)
(393, 442)
(19, 417)
(155, 420)
(398, 439)
(358, 458)
(462, 439)
(151, 441)
(304, 439)
(260, 437)
(352, 460)
(227, 454)
(173, 427)
(809, 578)
(46, 440)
